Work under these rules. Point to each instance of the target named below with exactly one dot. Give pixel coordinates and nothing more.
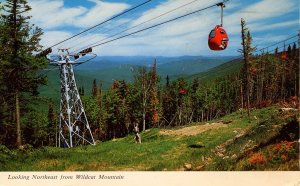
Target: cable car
(218, 39)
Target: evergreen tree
(4, 109)
(181, 91)
(195, 104)
(276, 51)
(100, 95)
(92, 110)
(122, 89)
(135, 106)
(36, 131)
(52, 127)
(116, 111)
(289, 52)
(168, 81)
(19, 67)
(294, 51)
(100, 134)
(167, 101)
(79, 91)
(94, 89)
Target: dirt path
(193, 130)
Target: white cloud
(262, 27)
(158, 10)
(267, 9)
(85, 41)
(52, 37)
(52, 14)
(74, 45)
(258, 15)
(156, 44)
(170, 5)
(100, 12)
(49, 14)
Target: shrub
(6, 154)
(257, 158)
(27, 148)
(284, 146)
(284, 151)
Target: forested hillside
(193, 113)
(198, 98)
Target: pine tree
(82, 91)
(195, 104)
(168, 81)
(52, 127)
(276, 51)
(19, 66)
(79, 91)
(294, 51)
(100, 95)
(101, 115)
(122, 89)
(94, 89)
(116, 108)
(4, 115)
(289, 52)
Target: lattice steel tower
(74, 128)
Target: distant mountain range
(109, 68)
(179, 64)
(119, 67)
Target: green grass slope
(232, 143)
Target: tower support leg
(74, 128)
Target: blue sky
(269, 21)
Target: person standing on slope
(137, 135)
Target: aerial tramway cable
(114, 17)
(262, 49)
(123, 31)
(132, 33)
(156, 25)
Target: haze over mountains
(172, 66)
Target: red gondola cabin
(218, 39)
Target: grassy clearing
(160, 152)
